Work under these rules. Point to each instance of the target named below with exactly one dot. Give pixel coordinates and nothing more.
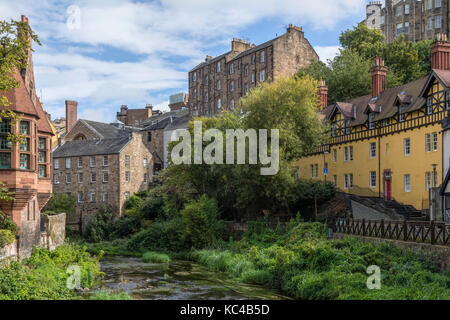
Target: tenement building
(220, 82)
(25, 168)
(387, 144)
(135, 117)
(416, 20)
(101, 165)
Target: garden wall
(53, 230)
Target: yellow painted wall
(390, 155)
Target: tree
(287, 104)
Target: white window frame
(105, 174)
(105, 196)
(335, 180)
(56, 163)
(437, 22)
(93, 177)
(373, 179)
(80, 197)
(80, 174)
(127, 176)
(345, 181)
(316, 170)
(428, 180)
(68, 179)
(350, 181)
(428, 142)
(92, 197)
(350, 153)
(407, 147)
(373, 150)
(68, 163)
(262, 75)
(55, 178)
(105, 161)
(92, 161)
(345, 154)
(80, 162)
(145, 178)
(263, 56)
(435, 141)
(407, 182)
(312, 171)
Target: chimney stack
(440, 54)
(71, 114)
(379, 73)
(24, 19)
(323, 95)
(239, 45)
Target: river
(177, 280)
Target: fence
(435, 233)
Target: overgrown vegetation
(60, 203)
(155, 257)
(44, 275)
(8, 230)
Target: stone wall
(53, 231)
(9, 252)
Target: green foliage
(59, 203)
(305, 265)
(155, 257)
(348, 74)
(105, 295)
(44, 276)
(6, 238)
(201, 225)
(309, 191)
(100, 227)
(7, 223)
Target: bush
(201, 226)
(125, 227)
(59, 203)
(6, 238)
(152, 208)
(155, 257)
(7, 223)
(100, 227)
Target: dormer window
(429, 105)
(333, 129)
(354, 112)
(401, 114)
(348, 129)
(371, 122)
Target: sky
(108, 53)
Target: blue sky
(105, 53)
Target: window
(80, 162)
(195, 93)
(406, 28)
(56, 178)
(127, 160)
(25, 128)
(348, 129)
(246, 70)
(80, 197)
(218, 67)
(24, 161)
(435, 184)
(145, 163)
(382, 20)
(335, 180)
(399, 11)
(80, 177)
(316, 169)
(246, 88)
(262, 76)
(407, 147)
(105, 177)
(438, 22)
(428, 180)
(240, 65)
(105, 196)
(92, 162)
(218, 85)
(5, 160)
(149, 136)
(345, 154)
(371, 123)
(145, 178)
(447, 100)
(345, 181)
(350, 181)
(42, 171)
(127, 176)
(253, 77)
(262, 56)
(435, 141)
(68, 178)
(429, 4)
(206, 97)
(232, 104)
(387, 148)
(219, 103)
(373, 150)
(333, 129)
(312, 171)
(92, 197)
(430, 23)
(5, 144)
(105, 161)
(406, 8)
(334, 155)
(127, 196)
(437, 3)
(93, 177)
(427, 142)
(194, 76)
(351, 153)
(399, 28)
(253, 58)
(373, 179)
(407, 182)
(232, 86)
(232, 68)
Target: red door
(387, 190)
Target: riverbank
(303, 264)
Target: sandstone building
(388, 144)
(25, 168)
(101, 165)
(135, 117)
(178, 101)
(220, 82)
(416, 20)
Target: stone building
(220, 82)
(178, 101)
(101, 165)
(416, 20)
(25, 168)
(135, 117)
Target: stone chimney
(323, 95)
(24, 19)
(292, 27)
(379, 73)
(71, 114)
(440, 53)
(208, 58)
(239, 45)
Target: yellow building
(387, 144)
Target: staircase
(392, 208)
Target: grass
(155, 257)
(104, 295)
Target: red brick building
(25, 168)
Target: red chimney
(440, 55)
(71, 114)
(379, 73)
(24, 19)
(323, 95)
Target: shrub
(59, 203)
(152, 208)
(7, 223)
(100, 227)
(6, 238)
(125, 227)
(155, 257)
(201, 226)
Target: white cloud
(71, 65)
(327, 53)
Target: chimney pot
(379, 73)
(440, 54)
(323, 95)
(71, 114)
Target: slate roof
(106, 130)
(78, 148)
(179, 123)
(159, 125)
